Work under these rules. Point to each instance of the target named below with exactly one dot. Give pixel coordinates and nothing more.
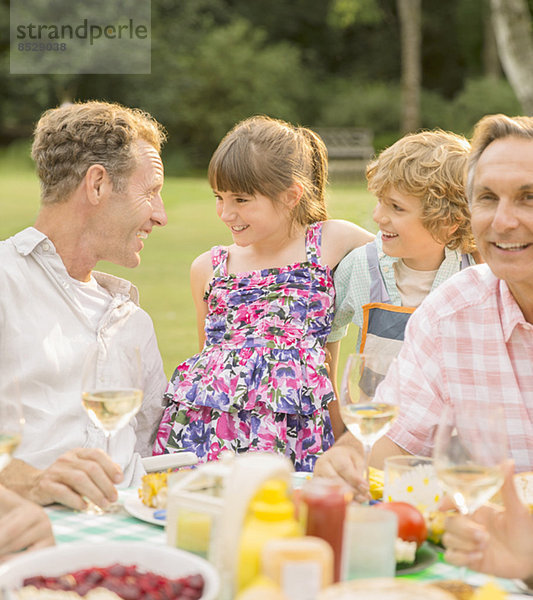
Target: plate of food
(135, 507)
(425, 556)
(150, 502)
(387, 588)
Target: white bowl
(65, 558)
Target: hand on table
(23, 525)
(80, 473)
(495, 540)
(343, 461)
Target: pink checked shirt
(467, 344)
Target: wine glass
(365, 418)
(470, 454)
(11, 421)
(111, 391)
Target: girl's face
(253, 218)
(399, 217)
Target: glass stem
(366, 455)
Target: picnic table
(73, 526)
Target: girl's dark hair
(266, 156)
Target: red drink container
(326, 501)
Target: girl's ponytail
(319, 162)
(314, 158)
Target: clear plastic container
(301, 566)
(206, 508)
(194, 509)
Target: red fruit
(84, 588)
(195, 581)
(411, 524)
(94, 577)
(126, 581)
(117, 570)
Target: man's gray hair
(489, 129)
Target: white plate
(167, 561)
(137, 509)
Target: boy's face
(399, 217)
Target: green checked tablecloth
(72, 526)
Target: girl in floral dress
(264, 304)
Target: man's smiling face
(502, 211)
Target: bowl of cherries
(114, 571)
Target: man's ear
(97, 184)
(293, 194)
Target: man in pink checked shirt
(471, 340)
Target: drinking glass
(111, 391)
(11, 422)
(470, 454)
(370, 539)
(410, 478)
(365, 418)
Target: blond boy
(424, 238)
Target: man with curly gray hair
(101, 177)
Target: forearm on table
(383, 448)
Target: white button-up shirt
(45, 333)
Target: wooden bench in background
(350, 149)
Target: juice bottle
(325, 502)
(271, 516)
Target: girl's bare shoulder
(340, 237)
(202, 263)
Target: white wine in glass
(470, 454)
(111, 392)
(112, 409)
(11, 422)
(365, 418)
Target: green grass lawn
(163, 276)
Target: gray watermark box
(76, 36)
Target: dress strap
(219, 259)
(313, 242)
(378, 291)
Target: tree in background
(410, 14)
(315, 62)
(512, 26)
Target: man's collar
(28, 239)
(511, 314)
(117, 285)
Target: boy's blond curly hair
(429, 165)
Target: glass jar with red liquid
(325, 503)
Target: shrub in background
(479, 97)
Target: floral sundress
(260, 382)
